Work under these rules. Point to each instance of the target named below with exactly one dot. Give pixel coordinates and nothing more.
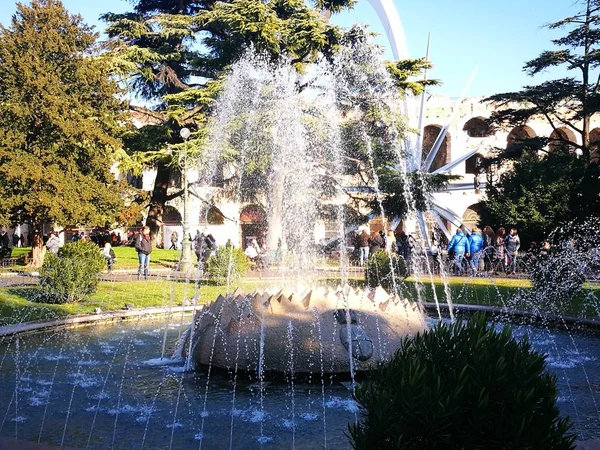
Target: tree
(175, 53)
(540, 192)
(59, 121)
(525, 195)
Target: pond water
(107, 387)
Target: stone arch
(473, 164)
(430, 134)
(519, 134)
(211, 216)
(472, 216)
(561, 133)
(477, 127)
(171, 215)
(253, 222)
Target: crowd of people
(473, 250)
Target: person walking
(109, 255)
(174, 240)
(459, 246)
(143, 247)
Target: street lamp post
(186, 264)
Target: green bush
(461, 386)
(72, 274)
(228, 263)
(378, 270)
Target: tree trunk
(157, 204)
(38, 252)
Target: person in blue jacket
(476, 243)
(459, 246)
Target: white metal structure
(389, 17)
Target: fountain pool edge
(557, 319)
(87, 319)
(149, 313)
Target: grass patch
(16, 308)
(126, 258)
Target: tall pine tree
(524, 195)
(59, 121)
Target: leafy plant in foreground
(461, 386)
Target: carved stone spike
(384, 305)
(306, 300)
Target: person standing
(499, 247)
(363, 244)
(143, 247)
(376, 242)
(476, 244)
(459, 246)
(53, 243)
(512, 242)
(199, 243)
(390, 242)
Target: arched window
(252, 214)
(171, 215)
(595, 144)
(558, 137)
(211, 216)
(472, 216)
(477, 127)
(430, 134)
(518, 135)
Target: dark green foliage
(59, 121)
(176, 54)
(385, 270)
(461, 386)
(542, 191)
(227, 265)
(71, 275)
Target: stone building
(468, 139)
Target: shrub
(461, 386)
(228, 263)
(378, 270)
(72, 274)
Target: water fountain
(357, 329)
(104, 387)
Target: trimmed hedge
(228, 263)
(385, 270)
(72, 274)
(461, 386)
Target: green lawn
(126, 258)
(15, 308)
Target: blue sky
(496, 37)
